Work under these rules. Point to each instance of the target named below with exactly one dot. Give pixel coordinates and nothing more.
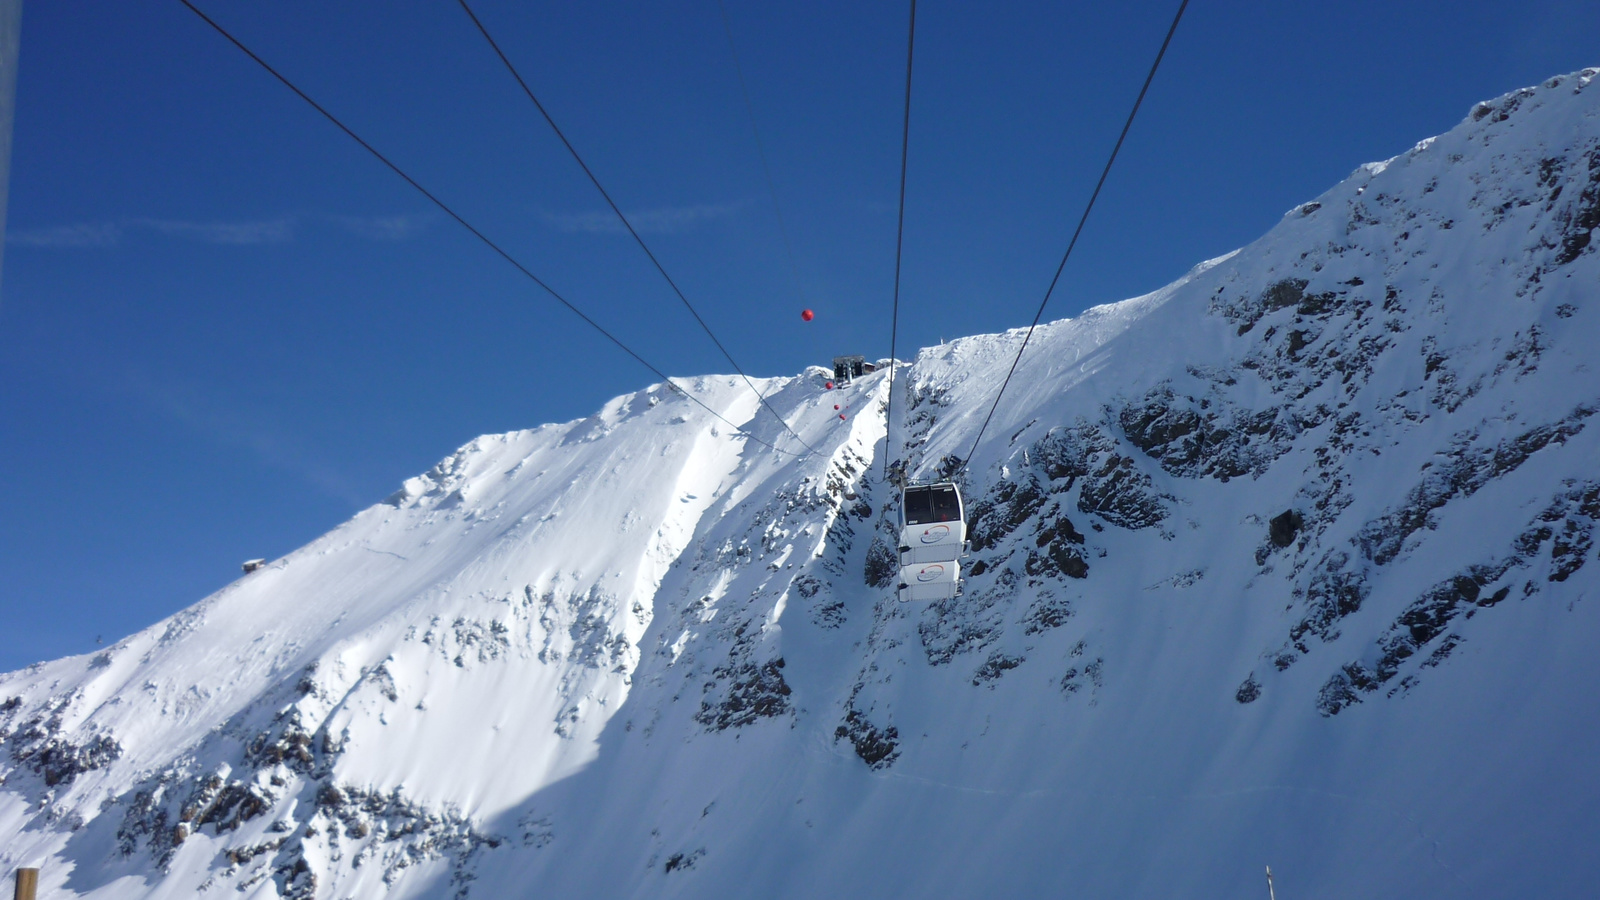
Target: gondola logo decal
(935, 534)
(930, 573)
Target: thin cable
(467, 225)
(625, 223)
(761, 151)
(899, 239)
(1079, 230)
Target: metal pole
(27, 883)
(1271, 894)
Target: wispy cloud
(224, 422)
(103, 234)
(269, 231)
(279, 230)
(109, 234)
(666, 220)
(383, 228)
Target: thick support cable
(482, 29)
(469, 226)
(899, 239)
(1079, 230)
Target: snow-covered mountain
(1291, 562)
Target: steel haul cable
(468, 225)
(482, 29)
(899, 238)
(1079, 230)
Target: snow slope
(1290, 562)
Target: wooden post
(1271, 894)
(27, 883)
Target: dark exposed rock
(827, 612)
(1429, 615)
(995, 666)
(1501, 108)
(1569, 524)
(1011, 504)
(289, 742)
(409, 834)
(1336, 694)
(877, 747)
(584, 619)
(1047, 612)
(830, 614)
(1584, 216)
(225, 805)
(951, 628)
(295, 880)
(1328, 340)
(383, 680)
(1155, 423)
(752, 692)
(1428, 620)
(1333, 592)
(1064, 453)
(59, 761)
(882, 564)
(1279, 295)
(1119, 493)
(147, 820)
(1057, 543)
(1092, 674)
(1249, 691)
(1112, 485)
(683, 861)
(1059, 527)
(1057, 558)
(42, 745)
(486, 641)
(1194, 441)
(1465, 470)
(1284, 526)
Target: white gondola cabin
(933, 538)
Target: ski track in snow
(1289, 562)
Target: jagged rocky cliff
(1289, 562)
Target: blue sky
(224, 328)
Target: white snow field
(1290, 562)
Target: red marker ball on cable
(841, 415)
(807, 315)
(828, 385)
(836, 406)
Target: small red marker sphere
(807, 315)
(836, 406)
(841, 415)
(828, 385)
